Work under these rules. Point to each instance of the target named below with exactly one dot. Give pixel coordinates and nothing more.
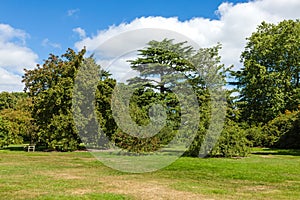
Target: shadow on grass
(14, 148)
(40, 148)
(22, 148)
(290, 152)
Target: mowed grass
(266, 174)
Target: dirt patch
(61, 175)
(81, 191)
(260, 189)
(267, 156)
(26, 194)
(67, 176)
(147, 189)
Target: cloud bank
(14, 56)
(236, 22)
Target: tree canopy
(269, 81)
(50, 86)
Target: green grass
(266, 174)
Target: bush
(256, 135)
(284, 131)
(232, 142)
(7, 136)
(143, 145)
(4, 133)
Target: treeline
(264, 113)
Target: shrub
(284, 131)
(256, 135)
(4, 133)
(232, 142)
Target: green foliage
(50, 86)
(10, 131)
(256, 135)
(141, 103)
(17, 123)
(160, 66)
(10, 100)
(163, 66)
(269, 81)
(103, 106)
(165, 61)
(283, 131)
(91, 104)
(4, 133)
(269, 85)
(209, 89)
(20, 126)
(232, 142)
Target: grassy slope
(78, 175)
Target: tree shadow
(273, 151)
(14, 148)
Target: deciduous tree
(269, 80)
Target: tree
(232, 142)
(283, 131)
(208, 85)
(103, 98)
(269, 81)
(17, 123)
(63, 100)
(5, 133)
(91, 104)
(20, 123)
(51, 86)
(160, 60)
(10, 100)
(167, 72)
(161, 67)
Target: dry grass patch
(154, 189)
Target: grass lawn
(266, 174)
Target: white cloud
(235, 23)
(120, 67)
(10, 82)
(8, 33)
(46, 43)
(80, 32)
(14, 57)
(72, 12)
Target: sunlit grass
(267, 174)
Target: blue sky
(31, 29)
(55, 19)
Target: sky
(30, 29)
